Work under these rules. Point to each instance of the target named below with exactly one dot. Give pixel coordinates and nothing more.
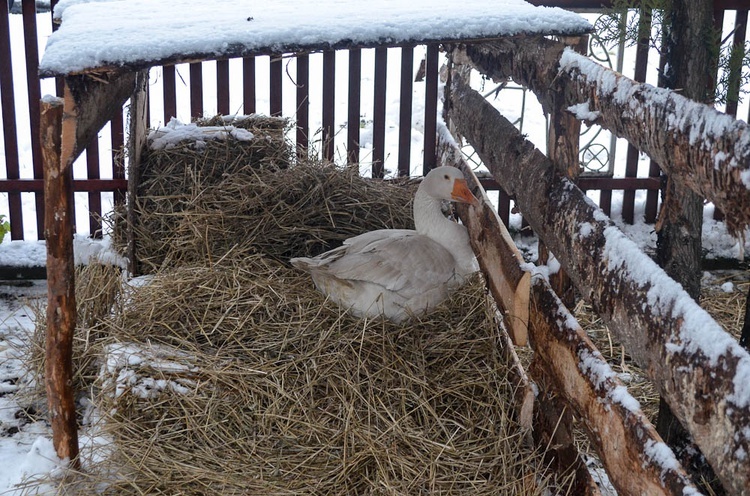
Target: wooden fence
(97, 181)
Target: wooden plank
(354, 102)
(169, 84)
(196, 90)
(10, 133)
(94, 197)
(404, 114)
(248, 85)
(497, 254)
(136, 147)
(276, 70)
(329, 97)
(430, 108)
(31, 48)
(222, 87)
(717, 172)
(648, 312)
(88, 105)
(84, 185)
(378, 115)
(61, 301)
(618, 429)
(303, 104)
(118, 160)
(641, 63)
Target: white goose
(399, 273)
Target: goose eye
(446, 176)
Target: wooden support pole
(702, 374)
(497, 254)
(136, 146)
(61, 302)
(619, 431)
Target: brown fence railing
(96, 182)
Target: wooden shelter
(705, 387)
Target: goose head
(448, 183)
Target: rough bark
(704, 391)
(496, 252)
(669, 128)
(61, 303)
(136, 146)
(619, 432)
(690, 70)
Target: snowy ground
(25, 442)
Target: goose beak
(461, 193)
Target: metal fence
(308, 88)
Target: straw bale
(198, 204)
(248, 382)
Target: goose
(401, 273)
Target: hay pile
(237, 378)
(242, 196)
(228, 373)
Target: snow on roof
(143, 33)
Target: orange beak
(461, 193)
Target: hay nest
(238, 378)
(199, 203)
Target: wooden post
(61, 302)
(136, 144)
(563, 146)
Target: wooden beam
(669, 128)
(696, 366)
(61, 301)
(89, 104)
(626, 442)
(136, 148)
(501, 262)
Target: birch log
(697, 367)
(702, 148)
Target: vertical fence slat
(430, 109)
(378, 115)
(196, 90)
(329, 95)
(277, 71)
(95, 197)
(641, 64)
(652, 195)
(222, 87)
(35, 95)
(248, 85)
(355, 77)
(169, 84)
(117, 130)
(503, 206)
(10, 133)
(303, 104)
(404, 120)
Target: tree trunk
(690, 64)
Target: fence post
(61, 302)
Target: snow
(176, 131)
(142, 32)
(703, 124)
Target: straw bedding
(228, 373)
(237, 378)
(195, 205)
